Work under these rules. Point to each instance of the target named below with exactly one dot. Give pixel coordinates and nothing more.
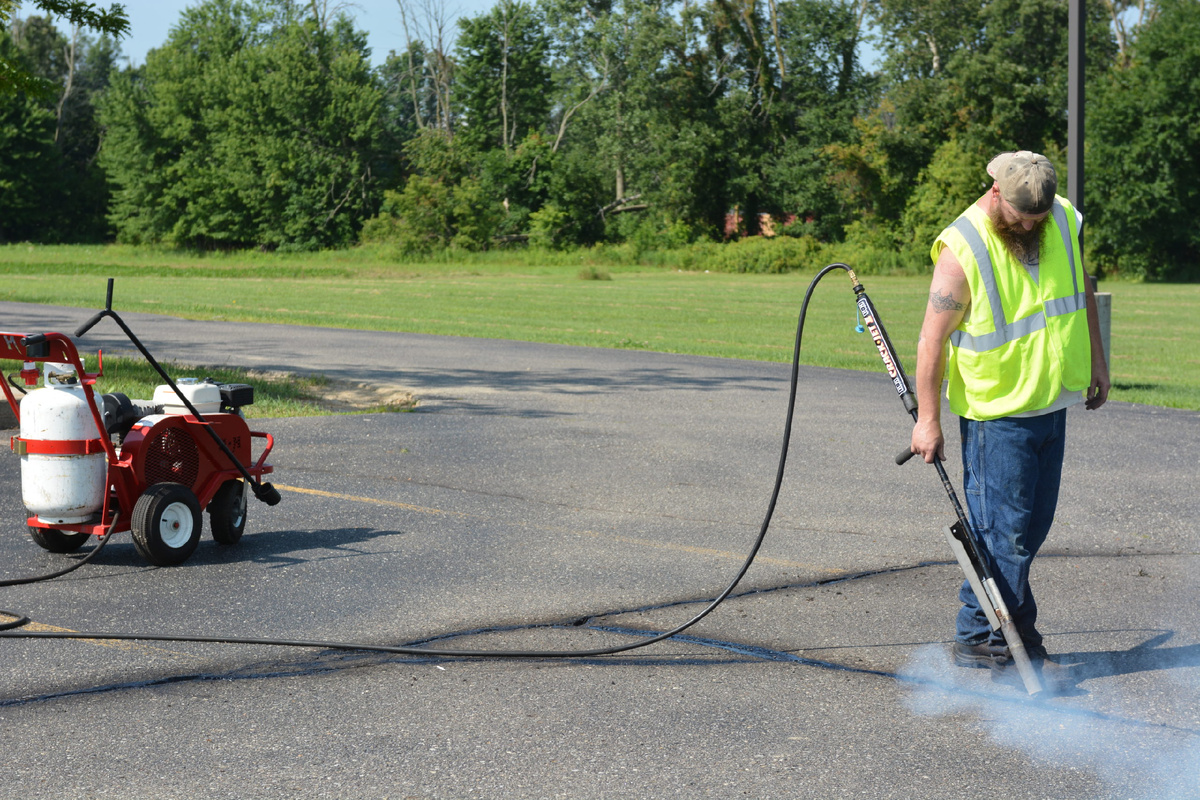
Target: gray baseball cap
(1026, 180)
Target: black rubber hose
(425, 651)
(20, 620)
(74, 566)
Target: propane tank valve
(60, 374)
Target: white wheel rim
(239, 508)
(175, 525)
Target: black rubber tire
(57, 541)
(166, 524)
(227, 512)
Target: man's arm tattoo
(944, 302)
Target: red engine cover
(176, 449)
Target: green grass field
(725, 315)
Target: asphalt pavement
(550, 497)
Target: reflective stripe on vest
(1005, 331)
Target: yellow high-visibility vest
(1021, 341)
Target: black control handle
(91, 323)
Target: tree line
(568, 123)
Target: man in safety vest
(1011, 303)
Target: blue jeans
(1011, 472)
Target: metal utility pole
(1075, 105)
(1075, 67)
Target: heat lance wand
(960, 535)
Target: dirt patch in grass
(332, 396)
(341, 397)
(335, 396)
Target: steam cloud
(1132, 757)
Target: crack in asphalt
(330, 661)
(322, 663)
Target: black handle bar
(107, 312)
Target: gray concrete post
(1104, 311)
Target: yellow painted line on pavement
(709, 551)
(681, 548)
(115, 644)
(371, 500)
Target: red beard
(1023, 244)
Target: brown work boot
(982, 656)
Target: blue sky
(151, 21)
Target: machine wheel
(166, 524)
(57, 541)
(227, 512)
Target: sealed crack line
(585, 621)
(755, 652)
(304, 669)
(349, 659)
(346, 657)
(47, 632)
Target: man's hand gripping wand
(961, 537)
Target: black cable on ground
(424, 651)
(74, 566)
(19, 620)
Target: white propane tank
(60, 489)
(205, 396)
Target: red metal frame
(128, 468)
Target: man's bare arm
(949, 296)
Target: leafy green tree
(51, 189)
(424, 71)
(409, 100)
(1143, 157)
(606, 62)
(681, 166)
(793, 85)
(955, 177)
(580, 58)
(442, 204)
(502, 82)
(963, 82)
(635, 116)
(682, 111)
(29, 168)
(251, 126)
(80, 14)
(502, 95)
(823, 87)
(578, 187)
